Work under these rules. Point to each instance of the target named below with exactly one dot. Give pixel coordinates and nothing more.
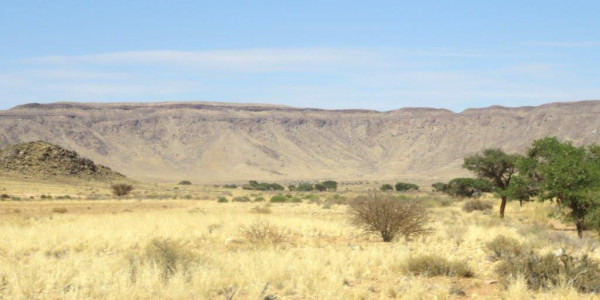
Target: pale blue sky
(330, 54)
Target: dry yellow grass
(92, 250)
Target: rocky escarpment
(216, 142)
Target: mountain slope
(225, 142)
(43, 160)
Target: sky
(379, 55)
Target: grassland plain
(177, 242)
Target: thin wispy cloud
(376, 78)
(565, 44)
(249, 60)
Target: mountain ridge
(219, 142)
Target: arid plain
(70, 237)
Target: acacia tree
(495, 166)
(569, 175)
(526, 183)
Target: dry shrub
(433, 265)
(261, 210)
(547, 271)
(477, 205)
(121, 189)
(389, 217)
(59, 210)
(167, 255)
(262, 232)
(336, 199)
(503, 247)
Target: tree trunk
(502, 206)
(579, 225)
(521, 202)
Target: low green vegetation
(467, 187)
(305, 187)
(241, 199)
(285, 199)
(386, 187)
(256, 186)
(439, 187)
(404, 186)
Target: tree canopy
(569, 175)
(495, 166)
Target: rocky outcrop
(44, 160)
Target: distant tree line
(254, 185)
(399, 187)
(328, 185)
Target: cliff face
(215, 142)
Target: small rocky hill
(46, 161)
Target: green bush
(259, 199)
(468, 187)
(336, 199)
(241, 199)
(320, 187)
(291, 187)
(279, 199)
(477, 204)
(434, 265)
(403, 186)
(185, 182)
(222, 200)
(255, 186)
(230, 186)
(312, 198)
(386, 187)
(305, 187)
(439, 186)
(330, 185)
